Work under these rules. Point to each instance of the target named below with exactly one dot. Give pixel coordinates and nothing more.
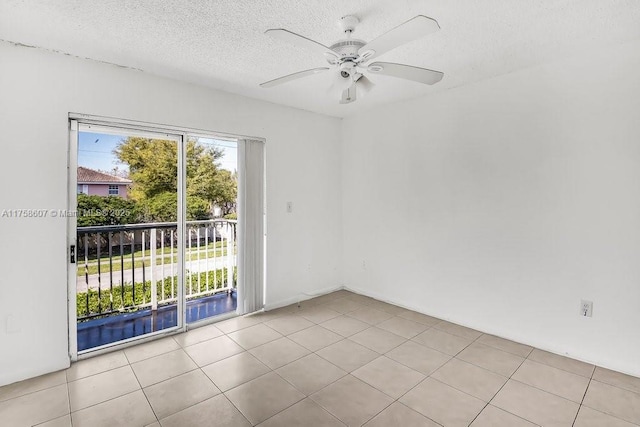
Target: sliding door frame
(76, 119)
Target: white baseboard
(516, 338)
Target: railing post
(152, 268)
(229, 256)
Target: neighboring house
(94, 183)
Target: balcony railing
(126, 268)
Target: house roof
(90, 176)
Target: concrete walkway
(160, 272)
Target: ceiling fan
(351, 57)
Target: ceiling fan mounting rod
(348, 24)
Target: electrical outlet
(586, 308)
(289, 207)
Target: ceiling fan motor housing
(347, 68)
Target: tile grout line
(141, 388)
(562, 369)
(35, 391)
(583, 396)
(69, 398)
(497, 392)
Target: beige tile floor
(339, 359)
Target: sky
(95, 151)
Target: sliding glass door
(126, 251)
(157, 230)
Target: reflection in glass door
(210, 229)
(127, 245)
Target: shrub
(123, 297)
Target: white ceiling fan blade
(294, 76)
(349, 94)
(412, 29)
(365, 83)
(300, 41)
(408, 72)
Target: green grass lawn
(92, 267)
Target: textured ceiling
(221, 43)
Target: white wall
(500, 205)
(39, 89)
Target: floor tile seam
(148, 342)
(291, 314)
(104, 372)
(168, 378)
(385, 393)
(432, 420)
(598, 410)
(546, 392)
(68, 406)
(506, 351)
(284, 409)
(286, 364)
(364, 321)
(209, 398)
(104, 401)
(235, 330)
(480, 367)
(607, 414)
(393, 400)
(411, 337)
(255, 346)
(348, 311)
(430, 377)
(324, 358)
(299, 330)
(508, 412)
(34, 391)
(59, 416)
(190, 405)
(413, 369)
(234, 405)
(322, 388)
(614, 385)
(101, 372)
(194, 362)
(150, 405)
(562, 369)
(549, 392)
(462, 391)
(461, 326)
(316, 403)
(499, 390)
(467, 346)
(382, 410)
(583, 396)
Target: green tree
(153, 170)
(163, 207)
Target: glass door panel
(210, 229)
(127, 241)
